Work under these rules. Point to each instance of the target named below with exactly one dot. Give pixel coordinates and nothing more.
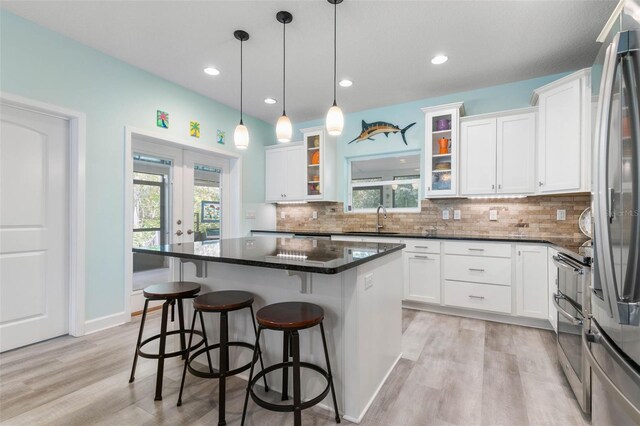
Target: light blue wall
(479, 101)
(42, 65)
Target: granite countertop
(574, 245)
(317, 256)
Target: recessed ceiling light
(270, 101)
(439, 59)
(211, 71)
(345, 83)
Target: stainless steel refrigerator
(612, 342)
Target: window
(390, 180)
(148, 209)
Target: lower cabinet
(422, 277)
(531, 281)
(486, 297)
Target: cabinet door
(478, 157)
(296, 171)
(560, 139)
(275, 174)
(516, 154)
(553, 288)
(531, 282)
(422, 277)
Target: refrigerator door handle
(595, 337)
(604, 260)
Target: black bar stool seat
(172, 293)
(290, 317)
(221, 302)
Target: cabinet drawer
(478, 249)
(422, 246)
(484, 297)
(488, 270)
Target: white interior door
(34, 246)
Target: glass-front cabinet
(441, 149)
(320, 165)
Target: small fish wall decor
(369, 130)
(162, 119)
(194, 129)
(220, 137)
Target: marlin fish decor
(371, 129)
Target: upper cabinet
(320, 163)
(497, 153)
(441, 149)
(285, 173)
(564, 134)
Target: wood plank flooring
(455, 371)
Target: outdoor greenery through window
(391, 181)
(148, 209)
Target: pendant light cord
(284, 69)
(335, 49)
(241, 43)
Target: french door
(179, 196)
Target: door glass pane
(207, 203)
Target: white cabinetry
(564, 135)
(497, 153)
(422, 270)
(284, 173)
(319, 163)
(531, 281)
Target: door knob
(178, 232)
(189, 231)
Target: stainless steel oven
(572, 305)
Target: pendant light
(335, 119)
(283, 127)
(241, 135)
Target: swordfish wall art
(369, 130)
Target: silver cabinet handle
(499, 186)
(189, 231)
(540, 183)
(423, 257)
(179, 232)
(493, 186)
(476, 269)
(471, 296)
(428, 188)
(422, 247)
(475, 249)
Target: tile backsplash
(531, 216)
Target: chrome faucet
(384, 211)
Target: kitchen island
(359, 286)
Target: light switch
(561, 214)
(457, 215)
(282, 215)
(493, 214)
(314, 215)
(368, 281)
(445, 214)
(250, 214)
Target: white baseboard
(373, 397)
(102, 323)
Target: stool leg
(255, 330)
(285, 370)
(163, 343)
(135, 356)
(206, 342)
(186, 362)
(224, 366)
(256, 350)
(326, 356)
(295, 349)
(181, 322)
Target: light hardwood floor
(454, 371)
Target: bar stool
(290, 317)
(222, 302)
(172, 293)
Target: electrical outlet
(250, 214)
(561, 214)
(493, 214)
(457, 215)
(314, 215)
(368, 281)
(283, 215)
(445, 214)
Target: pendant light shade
(241, 134)
(335, 118)
(283, 126)
(284, 129)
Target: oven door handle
(561, 262)
(567, 315)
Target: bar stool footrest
(217, 374)
(284, 408)
(170, 354)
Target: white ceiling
(383, 46)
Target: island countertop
(315, 256)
